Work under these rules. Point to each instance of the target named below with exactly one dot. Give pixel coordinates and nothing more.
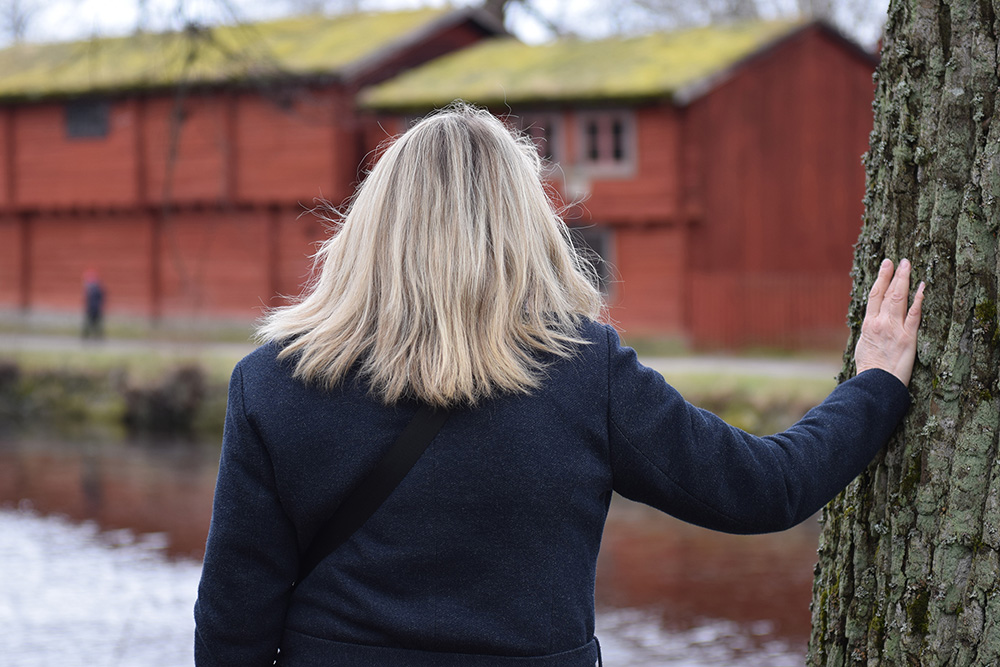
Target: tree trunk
(909, 556)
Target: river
(100, 550)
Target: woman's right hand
(889, 331)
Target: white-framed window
(606, 141)
(546, 129)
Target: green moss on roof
(300, 46)
(505, 71)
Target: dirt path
(23, 342)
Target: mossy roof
(299, 46)
(503, 71)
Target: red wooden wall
(739, 223)
(176, 219)
(62, 247)
(736, 226)
(778, 188)
(192, 204)
(651, 193)
(649, 236)
(651, 264)
(205, 150)
(11, 262)
(187, 149)
(52, 172)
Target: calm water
(100, 554)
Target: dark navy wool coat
(486, 552)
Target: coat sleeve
(251, 556)
(689, 463)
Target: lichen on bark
(913, 543)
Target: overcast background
(531, 20)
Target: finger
(898, 293)
(878, 289)
(912, 322)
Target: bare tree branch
(323, 6)
(16, 17)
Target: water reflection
(668, 593)
(746, 597)
(144, 487)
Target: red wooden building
(178, 165)
(720, 168)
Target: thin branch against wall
(260, 68)
(189, 286)
(551, 23)
(33, 19)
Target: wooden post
(24, 221)
(273, 253)
(231, 156)
(140, 155)
(10, 157)
(155, 265)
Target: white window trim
(605, 165)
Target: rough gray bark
(909, 560)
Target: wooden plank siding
(651, 265)
(11, 262)
(734, 226)
(291, 149)
(642, 211)
(215, 263)
(64, 246)
(738, 224)
(733, 309)
(8, 184)
(167, 206)
(192, 203)
(54, 172)
(776, 191)
(187, 141)
(779, 182)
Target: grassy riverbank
(167, 388)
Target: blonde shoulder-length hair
(451, 276)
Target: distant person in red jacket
(93, 305)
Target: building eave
(358, 69)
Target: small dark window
(617, 140)
(593, 141)
(544, 130)
(594, 243)
(88, 119)
(545, 136)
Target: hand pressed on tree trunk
(889, 331)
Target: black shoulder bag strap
(378, 485)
